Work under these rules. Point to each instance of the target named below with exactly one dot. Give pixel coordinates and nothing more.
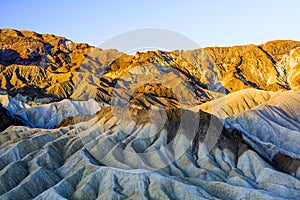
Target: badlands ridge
(79, 122)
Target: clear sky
(208, 22)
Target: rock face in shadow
(7, 120)
(274, 127)
(269, 122)
(103, 159)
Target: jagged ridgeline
(80, 122)
(44, 67)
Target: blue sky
(209, 22)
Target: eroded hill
(41, 66)
(79, 122)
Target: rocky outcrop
(275, 128)
(63, 69)
(236, 102)
(7, 120)
(78, 122)
(96, 159)
(59, 65)
(240, 67)
(48, 115)
(268, 121)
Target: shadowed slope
(63, 162)
(275, 128)
(7, 120)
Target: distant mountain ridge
(63, 69)
(79, 122)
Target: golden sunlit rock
(80, 122)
